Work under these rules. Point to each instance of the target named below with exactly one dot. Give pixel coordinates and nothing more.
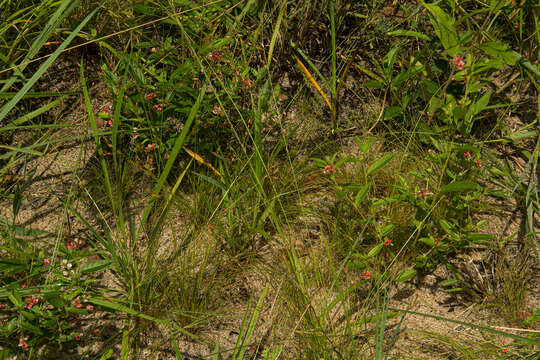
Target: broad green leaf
(361, 195)
(94, 266)
(379, 164)
(405, 275)
(500, 51)
(444, 28)
(375, 251)
(458, 186)
(446, 226)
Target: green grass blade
(179, 142)
(43, 68)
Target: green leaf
(374, 252)
(446, 226)
(94, 266)
(379, 164)
(444, 28)
(427, 241)
(500, 51)
(415, 34)
(361, 195)
(405, 275)
(357, 265)
(449, 282)
(479, 237)
(458, 186)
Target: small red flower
(504, 351)
(388, 242)
(158, 107)
(150, 147)
(366, 275)
(47, 261)
(217, 110)
(110, 122)
(23, 285)
(154, 50)
(329, 168)
(467, 155)
(150, 96)
(166, 156)
(90, 307)
(460, 65)
(477, 163)
(78, 337)
(457, 59)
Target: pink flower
(150, 96)
(366, 275)
(329, 168)
(78, 337)
(150, 147)
(24, 345)
(23, 285)
(217, 110)
(166, 156)
(388, 242)
(47, 261)
(70, 245)
(153, 50)
(457, 59)
(436, 241)
(504, 351)
(110, 122)
(467, 155)
(158, 107)
(460, 65)
(477, 163)
(90, 307)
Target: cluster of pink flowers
(215, 56)
(151, 147)
(31, 301)
(425, 193)
(329, 168)
(523, 314)
(366, 275)
(458, 60)
(468, 157)
(158, 107)
(388, 242)
(217, 110)
(24, 345)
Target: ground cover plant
(264, 180)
